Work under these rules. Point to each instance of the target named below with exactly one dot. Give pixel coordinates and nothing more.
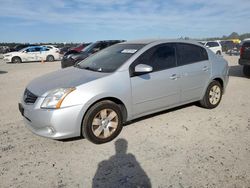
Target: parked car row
(70, 59)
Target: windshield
(111, 58)
(89, 47)
(23, 49)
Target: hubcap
(105, 123)
(214, 94)
(16, 60)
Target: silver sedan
(121, 83)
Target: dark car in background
(245, 57)
(71, 59)
(77, 49)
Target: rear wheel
(16, 60)
(246, 71)
(212, 96)
(218, 52)
(50, 58)
(103, 122)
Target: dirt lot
(184, 147)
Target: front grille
(28, 97)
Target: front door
(160, 88)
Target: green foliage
(233, 35)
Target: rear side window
(212, 44)
(159, 57)
(190, 53)
(246, 44)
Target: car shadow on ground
(236, 71)
(3, 72)
(120, 170)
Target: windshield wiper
(89, 68)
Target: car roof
(151, 41)
(104, 41)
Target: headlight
(55, 98)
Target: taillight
(242, 49)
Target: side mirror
(207, 46)
(143, 69)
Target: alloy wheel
(105, 123)
(214, 95)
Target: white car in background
(215, 46)
(33, 53)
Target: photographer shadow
(120, 170)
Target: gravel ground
(184, 147)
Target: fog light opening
(51, 130)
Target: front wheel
(212, 96)
(102, 122)
(246, 71)
(16, 60)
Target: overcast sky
(85, 21)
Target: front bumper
(7, 59)
(52, 123)
(244, 62)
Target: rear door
(32, 54)
(160, 88)
(195, 71)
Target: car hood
(12, 53)
(65, 78)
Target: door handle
(174, 77)
(205, 68)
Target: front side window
(30, 50)
(190, 53)
(159, 57)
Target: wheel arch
(216, 78)
(220, 81)
(113, 99)
(50, 55)
(16, 56)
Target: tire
(50, 58)
(16, 60)
(212, 96)
(218, 52)
(246, 71)
(104, 117)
